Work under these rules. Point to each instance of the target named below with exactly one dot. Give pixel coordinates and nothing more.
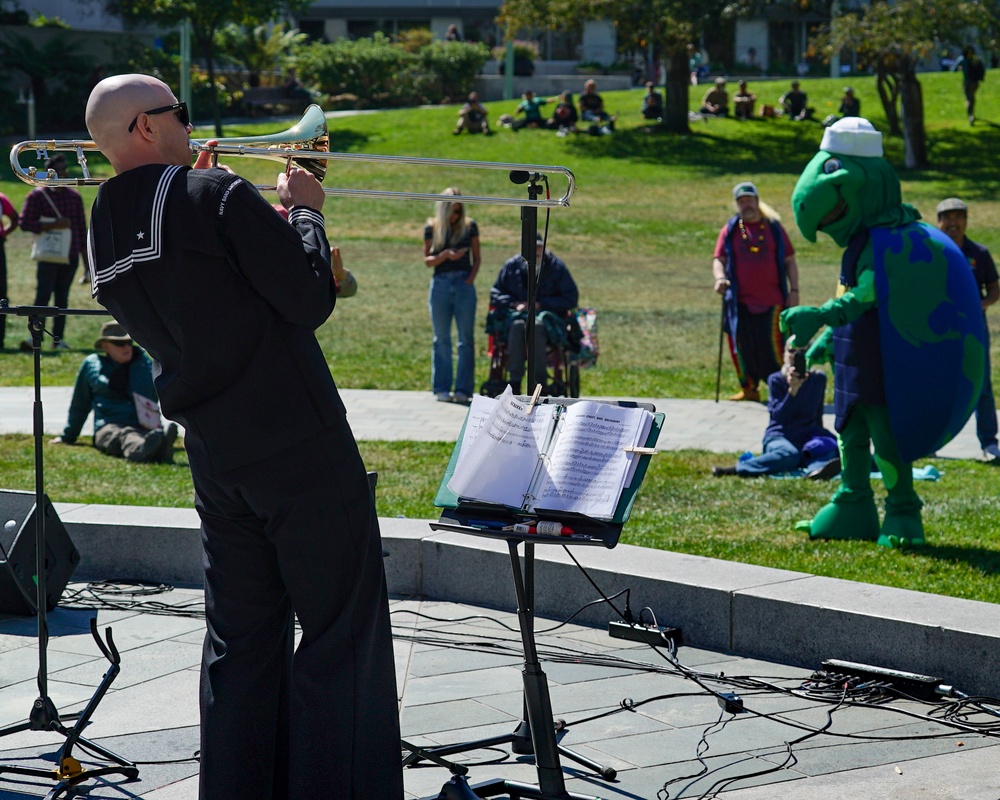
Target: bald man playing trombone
(225, 295)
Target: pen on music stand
(488, 524)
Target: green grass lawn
(681, 508)
(638, 238)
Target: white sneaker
(991, 453)
(443, 397)
(462, 399)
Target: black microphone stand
(44, 716)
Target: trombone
(307, 145)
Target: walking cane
(718, 372)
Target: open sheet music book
(549, 457)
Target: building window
(313, 28)
(361, 28)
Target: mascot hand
(802, 322)
(821, 351)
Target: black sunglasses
(180, 108)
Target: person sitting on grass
(743, 102)
(850, 106)
(715, 103)
(531, 107)
(472, 117)
(564, 117)
(592, 110)
(117, 385)
(794, 101)
(652, 103)
(795, 437)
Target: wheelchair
(562, 370)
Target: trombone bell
(309, 134)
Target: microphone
(520, 176)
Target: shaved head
(113, 104)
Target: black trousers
(296, 532)
(55, 279)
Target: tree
(260, 48)
(892, 39)
(55, 59)
(670, 25)
(207, 17)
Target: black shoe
(515, 386)
(718, 472)
(165, 452)
(829, 470)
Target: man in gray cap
(953, 217)
(117, 385)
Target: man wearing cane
(755, 271)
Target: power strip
(924, 687)
(657, 636)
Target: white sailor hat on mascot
(852, 136)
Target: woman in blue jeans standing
(451, 248)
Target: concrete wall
(791, 617)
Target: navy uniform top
(225, 296)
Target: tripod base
(70, 772)
(44, 717)
(458, 788)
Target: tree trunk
(914, 136)
(207, 48)
(888, 91)
(675, 115)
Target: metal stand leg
(44, 715)
(537, 736)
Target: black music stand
(43, 715)
(536, 734)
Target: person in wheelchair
(556, 296)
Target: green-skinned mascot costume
(905, 333)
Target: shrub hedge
(376, 73)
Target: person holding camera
(795, 437)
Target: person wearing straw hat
(117, 385)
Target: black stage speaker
(17, 535)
